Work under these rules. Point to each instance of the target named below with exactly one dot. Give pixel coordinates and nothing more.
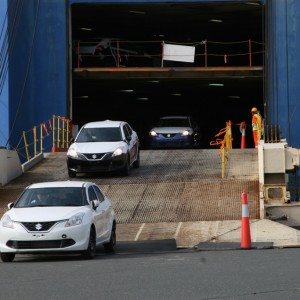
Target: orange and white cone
(245, 232)
(243, 135)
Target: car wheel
(7, 257)
(90, 252)
(136, 164)
(110, 247)
(71, 174)
(126, 168)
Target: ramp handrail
(225, 144)
(55, 132)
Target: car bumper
(103, 165)
(178, 142)
(58, 239)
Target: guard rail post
(26, 145)
(63, 132)
(58, 132)
(34, 141)
(53, 133)
(41, 138)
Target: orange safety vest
(257, 127)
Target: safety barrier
(120, 53)
(225, 144)
(53, 135)
(61, 133)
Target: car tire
(136, 164)
(71, 174)
(7, 257)
(110, 247)
(126, 168)
(90, 252)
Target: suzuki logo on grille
(94, 156)
(38, 226)
(168, 135)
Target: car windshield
(173, 122)
(107, 134)
(52, 196)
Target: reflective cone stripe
(243, 139)
(245, 232)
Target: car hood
(170, 129)
(94, 147)
(44, 214)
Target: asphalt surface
(151, 271)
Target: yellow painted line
(139, 232)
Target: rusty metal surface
(170, 185)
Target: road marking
(139, 232)
(177, 230)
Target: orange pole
(162, 54)
(245, 232)
(250, 53)
(243, 135)
(205, 53)
(34, 141)
(78, 54)
(53, 133)
(118, 54)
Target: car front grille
(38, 226)
(94, 156)
(168, 135)
(51, 244)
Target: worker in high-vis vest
(256, 126)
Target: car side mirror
(72, 140)
(95, 203)
(128, 138)
(10, 205)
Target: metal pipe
(26, 145)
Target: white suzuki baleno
(61, 216)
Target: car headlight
(7, 222)
(75, 220)
(186, 132)
(153, 133)
(117, 152)
(72, 153)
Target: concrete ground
(176, 195)
(264, 233)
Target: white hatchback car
(60, 216)
(104, 146)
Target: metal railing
(224, 140)
(121, 53)
(53, 135)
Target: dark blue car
(175, 132)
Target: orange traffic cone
(243, 137)
(245, 232)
